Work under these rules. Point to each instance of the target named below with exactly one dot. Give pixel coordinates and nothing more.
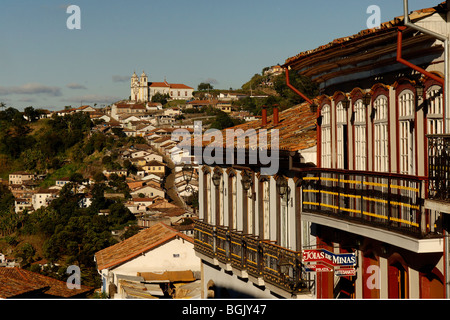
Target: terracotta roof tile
(168, 85)
(16, 281)
(385, 26)
(130, 248)
(296, 130)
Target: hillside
(61, 233)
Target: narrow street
(169, 183)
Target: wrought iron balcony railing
(222, 244)
(204, 238)
(282, 267)
(253, 256)
(388, 201)
(439, 167)
(262, 259)
(237, 250)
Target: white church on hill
(142, 90)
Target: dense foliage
(284, 97)
(68, 234)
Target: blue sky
(45, 65)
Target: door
(398, 281)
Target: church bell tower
(143, 89)
(134, 87)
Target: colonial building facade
(143, 91)
(363, 176)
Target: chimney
(275, 115)
(264, 115)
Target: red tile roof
(296, 130)
(132, 247)
(158, 84)
(16, 281)
(168, 85)
(367, 33)
(179, 86)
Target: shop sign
(333, 259)
(318, 268)
(345, 272)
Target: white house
(43, 197)
(153, 156)
(20, 204)
(19, 177)
(158, 249)
(148, 191)
(62, 182)
(139, 154)
(175, 111)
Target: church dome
(143, 74)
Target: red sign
(330, 258)
(316, 256)
(345, 272)
(318, 268)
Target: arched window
(341, 136)
(264, 208)
(360, 135)
(435, 109)
(326, 136)
(406, 114)
(232, 200)
(248, 190)
(219, 196)
(381, 139)
(207, 197)
(283, 194)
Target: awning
(167, 276)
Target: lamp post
(284, 189)
(247, 183)
(419, 93)
(345, 103)
(188, 172)
(367, 98)
(216, 178)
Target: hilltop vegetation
(278, 93)
(62, 233)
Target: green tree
(223, 121)
(204, 86)
(300, 82)
(31, 114)
(26, 252)
(161, 98)
(254, 82)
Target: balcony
(251, 256)
(379, 201)
(281, 266)
(439, 167)
(204, 239)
